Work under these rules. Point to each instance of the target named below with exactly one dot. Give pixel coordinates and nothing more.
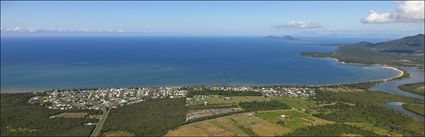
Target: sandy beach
(401, 73)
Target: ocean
(38, 63)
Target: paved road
(99, 124)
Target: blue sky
(217, 18)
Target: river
(391, 87)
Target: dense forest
(149, 118)
(360, 98)
(378, 116)
(257, 106)
(19, 118)
(331, 130)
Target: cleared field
(117, 133)
(195, 114)
(295, 118)
(296, 102)
(371, 127)
(70, 115)
(234, 125)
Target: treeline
(360, 98)
(214, 116)
(375, 115)
(19, 118)
(414, 88)
(153, 117)
(362, 85)
(266, 105)
(331, 130)
(223, 93)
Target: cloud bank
(298, 25)
(408, 11)
(57, 30)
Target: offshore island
(275, 110)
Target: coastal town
(96, 99)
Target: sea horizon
(200, 59)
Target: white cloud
(57, 30)
(408, 11)
(298, 25)
(376, 17)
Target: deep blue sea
(29, 63)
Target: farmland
(234, 125)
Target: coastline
(400, 75)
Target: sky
(214, 18)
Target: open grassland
(264, 123)
(19, 118)
(418, 109)
(234, 125)
(332, 130)
(418, 88)
(295, 118)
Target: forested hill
(407, 51)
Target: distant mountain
(411, 43)
(407, 51)
(287, 37)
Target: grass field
(71, 115)
(234, 125)
(418, 109)
(418, 88)
(371, 127)
(264, 123)
(296, 119)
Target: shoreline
(400, 75)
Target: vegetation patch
(294, 118)
(331, 130)
(418, 109)
(360, 98)
(257, 106)
(378, 116)
(234, 125)
(19, 118)
(418, 88)
(149, 118)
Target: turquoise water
(76, 62)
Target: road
(99, 124)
